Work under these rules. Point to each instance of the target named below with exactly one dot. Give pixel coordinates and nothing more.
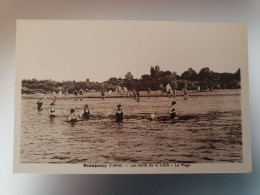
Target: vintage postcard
(131, 97)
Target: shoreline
(143, 94)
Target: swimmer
(86, 113)
(39, 104)
(72, 116)
(172, 110)
(119, 114)
(153, 117)
(52, 110)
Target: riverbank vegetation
(157, 79)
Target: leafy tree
(190, 74)
(205, 74)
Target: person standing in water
(119, 114)
(86, 113)
(52, 111)
(39, 104)
(172, 110)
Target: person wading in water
(172, 111)
(52, 111)
(39, 104)
(86, 113)
(119, 114)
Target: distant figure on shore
(168, 93)
(102, 93)
(86, 113)
(148, 91)
(137, 95)
(109, 93)
(185, 91)
(134, 92)
(60, 94)
(66, 94)
(168, 90)
(39, 104)
(174, 93)
(128, 94)
(54, 95)
(52, 111)
(75, 94)
(198, 89)
(172, 110)
(45, 96)
(81, 94)
(119, 114)
(72, 116)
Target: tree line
(204, 80)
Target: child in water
(52, 111)
(86, 113)
(119, 114)
(39, 104)
(172, 110)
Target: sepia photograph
(131, 97)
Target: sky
(98, 50)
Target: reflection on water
(208, 130)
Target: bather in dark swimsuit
(119, 116)
(86, 115)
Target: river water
(208, 131)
